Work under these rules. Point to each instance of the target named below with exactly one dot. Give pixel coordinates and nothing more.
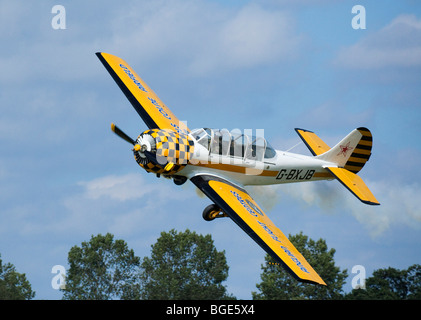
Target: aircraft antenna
(294, 146)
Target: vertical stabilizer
(348, 157)
(352, 152)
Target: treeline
(187, 266)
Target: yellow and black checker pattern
(171, 147)
(361, 153)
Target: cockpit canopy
(234, 144)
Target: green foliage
(278, 284)
(391, 284)
(102, 269)
(184, 265)
(14, 285)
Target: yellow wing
(354, 184)
(237, 204)
(147, 104)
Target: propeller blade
(121, 134)
(152, 157)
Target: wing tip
(319, 282)
(314, 282)
(303, 130)
(372, 203)
(313, 278)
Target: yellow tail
(348, 157)
(351, 153)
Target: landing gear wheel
(211, 212)
(179, 180)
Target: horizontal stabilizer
(354, 184)
(313, 142)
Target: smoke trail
(400, 203)
(266, 196)
(200, 193)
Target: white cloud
(10, 24)
(206, 38)
(326, 115)
(121, 188)
(249, 38)
(396, 45)
(199, 37)
(400, 206)
(114, 203)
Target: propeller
(137, 147)
(121, 134)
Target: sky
(272, 65)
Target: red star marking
(345, 149)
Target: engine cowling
(163, 151)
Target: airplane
(221, 163)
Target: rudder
(351, 153)
(361, 153)
(348, 158)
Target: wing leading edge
(147, 104)
(241, 208)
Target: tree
(413, 280)
(391, 284)
(102, 269)
(14, 285)
(278, 284)
(184, 265)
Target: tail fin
(349, 155)
(352, 152)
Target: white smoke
(400, 203)
(266, 196)
(200, 193)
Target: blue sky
(272, 65)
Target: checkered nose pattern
(171, 147)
